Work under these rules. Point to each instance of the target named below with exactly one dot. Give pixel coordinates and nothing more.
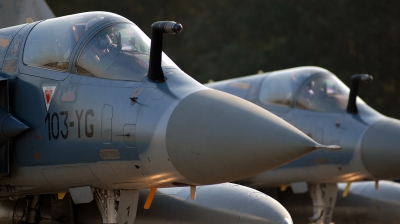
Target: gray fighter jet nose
(380, 151)
(215, 137)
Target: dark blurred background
(224, 39)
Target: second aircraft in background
(315, 101)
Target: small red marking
(38, 137)
(36, 155)
(48, 93)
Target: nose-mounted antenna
(355, 80)
(157, 29)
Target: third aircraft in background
(363, 204)
(315, 101)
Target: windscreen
(323, 93)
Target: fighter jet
(89, 107)
(315, 101)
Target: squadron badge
(48, 92)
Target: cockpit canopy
(118, 51)
(50, 43)
(308, 88)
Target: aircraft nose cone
(215, 137)
(380, 151)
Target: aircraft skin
(363, 204)
(219, 203)
(313, 100)
(104, 125)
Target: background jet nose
(215, 137)
(218, 203)
(380, 151)
(234, 203)
(258, 207)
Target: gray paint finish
(243, 131)
(106, 124)
(381, 147)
